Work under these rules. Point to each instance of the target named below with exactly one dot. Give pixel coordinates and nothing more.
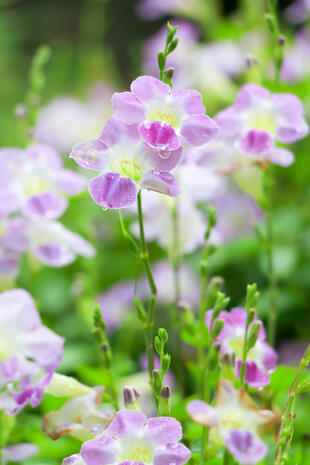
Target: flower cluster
(142, 142)
(29, 352)
(132, 439)
(33, 195)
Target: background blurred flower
(29, 352)
(238, 421)
(261, 359)
(66, 120)
(19, 452)
(295, 65)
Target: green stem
(244, 355)
(144, 256)
(227, 458)
(287, 421)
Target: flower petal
(161, 181)
(163, 430)
(127, 107)
(246, 447)
(254, 376)
(69, 182)
(269, 356)
(91, 154)
(256, 142)
(198, 129)
(110, 190)
(101, 450)
(280, 156)
(126, 422)
(47, 205)
(164, 161)
(202, 413)
(115, 130)
(191, 100)
(147, 88)
(160, 136)
(176, 454)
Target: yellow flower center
(137, 453)
(165, 116)
(35, 185)
(263, 122)
(127, 167)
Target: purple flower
(48, 241)
(166, 117)
(34, 181)
(81, 417)
(258, 119)
(126, 163)
(29, 352)
(261, 359)
(238, 421)
(131, 439)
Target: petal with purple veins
(110, 190)
(162, 182)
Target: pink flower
(131, 439)
(258, 119)
(295, 65)
(261, 359)
(165, 117)
(29, 352)
(238, 421)
(126, 164)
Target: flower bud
(165, 393)
(166, 362)
(140, 310)
(217, 328)
(158, 345)
(162, 333)
(131, 397)
(253, 334)
(228, 358)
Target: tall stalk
(144, 256)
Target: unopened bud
(217, 328)
(166, 362)
(251, 315)
(281, 40)
(158, 345)
(162, 333)
(250, 60)
(229, 359)
(169, 73)
(253, 334)
(156, 381)
(165, 393)
(130, 395)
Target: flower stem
(288, 416)
(144, 256)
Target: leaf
(283, 377)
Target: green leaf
(283, 377)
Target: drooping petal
(291, 132)
(126, 422)
(163, 430)
(110, 190)
(22, 312)
(128, 107)
(256, 142)
(160, 136)
(246, 447)
(280, 156)
(161, 181)
(147, 88)
(198, 129)
(202, 413)
(47, 206)
(101, 450)
(254, 376)
(176, 454)
(91, 154)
